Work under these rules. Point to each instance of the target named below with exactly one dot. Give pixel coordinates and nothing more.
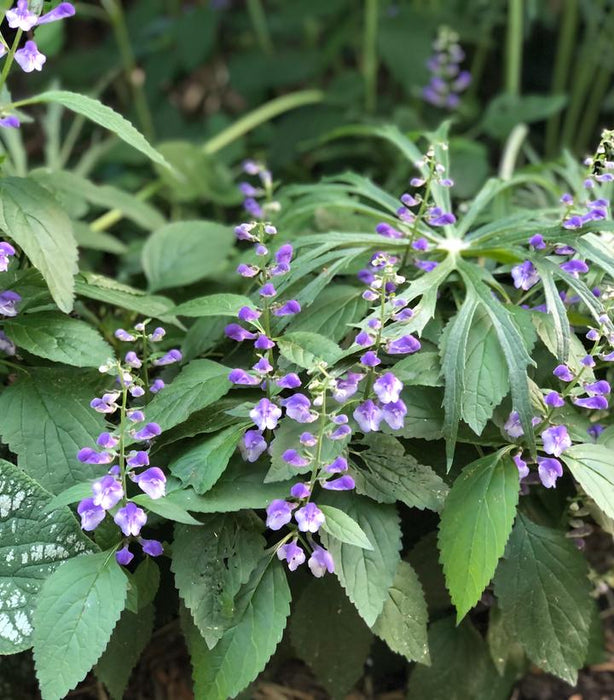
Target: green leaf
(59, 338)
(106, 117)
(545, 326)
(367, 574)
(344, 528)
(263, 606)
(77, 609)
(502, 643)
(71, 495)
(33, 219)
(306, 349)
(129, 639)
(203, 464)
(485, 380)
(425, 416)
(505, 111)
(403, 620)
(475, 524)
(45, 418)
(420, 369)
(184, 252)
(32, 545)
(390, 475)
(97, 240)
(165, 508)
(543, 590)
(211, 564)
(213, 305)
(240, 486)
(329, 635)
(198, 385)
(593, 468)
(461, 667)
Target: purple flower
(124, 556)
(247, 270)
(252, 445)
(368, 416)
(252, 207)
(10, 121)
(263, 366)
(556, 440)
(130, 519)
(6, 251)
(20, 17)
(563, 373)
(132, 360)
(106, 404)
(62, 11)
(236, 332)
(91, 514)
(150, 431)
(290, 308)
(549, 470)
(320, 562)
(248, 314)
(87, 455)
(364, 339)
(8, 300)
(138, 459)
(342, 483)
(344, 388)
(387, 231)
(135, 415)
(523, 469)
(265, 414)
(279, 513)
(169, 358)
(309, 518)
(30, 58)
(337, 466)
(588, 361)
(370, 359)
(288, 381)
(123, 335)
(243, 232)
(513, 426)
(525, 275)
(597, 388)
(240, 376)
(574, 267)
(107, 440)
(152, 481)
(595, 430)
(308, 439)
(405, 345)
(152, 547)
(598, 403)
(292, 553)
(394, 414)
(107, 492)
(300, 490)
(263, 343)
(157, 335)
(294, 459)
(298, 408)
(284, 255)
(437, 217)
(340, 432)
(426, 265)
(388, 388)
(136, 391)
(267, 291)
(537, 242)
(554, 399)
(573, 222)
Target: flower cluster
(110, 493)
(262, 191)
(24, 18)
(417, 211)
(447, 80)
(8, 298)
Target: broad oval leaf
(475, 524)
(344, 528)
(593, 468)
(305, 349)
(213, 305)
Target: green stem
(513, 63)
(122, 436)
(318, 456)
(8, 61)
(260, 116)
(369, 57)
(257, 16)
(511, 150)
(564, 52)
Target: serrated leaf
(389, 475)
(104, 116)
(203, 464)
(593, 468)
(211, 564)
(546, 330)
(543, 590)
(213, 305)
(165, 508)
(330, 636)
(367, 574)
(306, 349)
(344, 528)
(45, 418)
(59, 338)
(475, 524)
(33, 219)
(77, 609)
(420, 369)
(403, 620)
(184, 252)
(198, 385)
(125, 647)
(264, 604)
(32, 545)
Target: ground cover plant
(360, 418)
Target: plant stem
(513, 63)
(564, 52)
(257, 16)
(511, 150)
(369, 51)
(8, 61)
